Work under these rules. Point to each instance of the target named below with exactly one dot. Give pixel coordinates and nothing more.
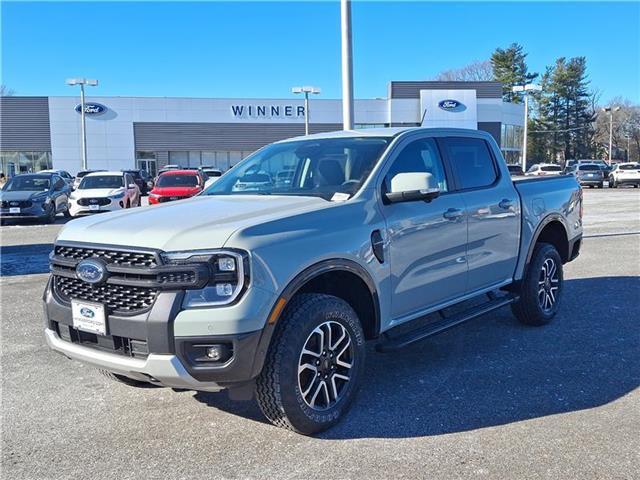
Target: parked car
(604, 166)
(38, 196)
(627, 173)
(167, 168)
(589, 174)
(277, 289)
(66, 176)
(80, 175)
(104, 192)
(176, 185)
(515, 169)
(141, 179)
(543, 169)
(252, 182)
(211, 172)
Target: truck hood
(198, 223)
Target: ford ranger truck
(276, 290)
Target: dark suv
(141, 179)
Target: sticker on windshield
(340, 197)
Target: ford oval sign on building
(91, 108)
(452, 106)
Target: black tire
(126, 380)
(601, 185)
(613, 184)
(128, 204)
(278, 387)
(51, 217)
(67, 212)
(529, 309)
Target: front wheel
(541, 287)
(314, 365)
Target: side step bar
(392, 343)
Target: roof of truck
(388, 132)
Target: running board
(393, 343)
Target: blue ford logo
(91, 108)
(452, 106)
(91, 271)
(87, 312)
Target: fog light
(227, 264)
(224, 289)
(215, 352)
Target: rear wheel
(601, 185)
(314, 365)
(541, 287)
(51, 216)
(612, 183)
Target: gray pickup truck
(270, 286)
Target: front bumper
(169, 360)
(114, 205)
(37, 210)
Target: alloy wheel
(324, 365)
(548, 285)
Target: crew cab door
(426, 240)
(492, 209)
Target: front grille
(118, 298)
(17, 203)
(122, 258)
(170, 199)
(177, 277)
(85, 202)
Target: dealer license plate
(94, 207)
(14, 209)
(89, 317)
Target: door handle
(505, 204)
(452, 214)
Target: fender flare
(552, 217)
(301, 279)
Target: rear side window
(471, 161)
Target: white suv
(104, 192)
(541, 169)
(625, 174)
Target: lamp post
(610, 110)
(529, 87)
(347, 65)
(306, 90)
(82, 82)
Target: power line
(558, 131)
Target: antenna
(424, 114)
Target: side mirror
(412, 186)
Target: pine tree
(510, 68)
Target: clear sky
(261, 49)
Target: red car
(176, 185)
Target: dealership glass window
(179, 158)
(359, 126)
(13, 163)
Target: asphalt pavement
(490, 399)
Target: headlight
(117, 195)
(228, 276)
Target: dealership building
(150, 132)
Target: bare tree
(478, 71)
(6, 91)
(626, 123)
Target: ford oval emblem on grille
(91, 271)
(87, 312)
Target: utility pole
(347, 65)
(610, 110)
(525, 89)
(83, 125)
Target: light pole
(306, 90)
(347, 65)
(610, 110)
(530, 87)
(82, 82)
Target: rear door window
(471, 161)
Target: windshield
(27, 184)
(319, 168)
(101, 181)
(588, 167)
(177, 181)
(551, 168)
